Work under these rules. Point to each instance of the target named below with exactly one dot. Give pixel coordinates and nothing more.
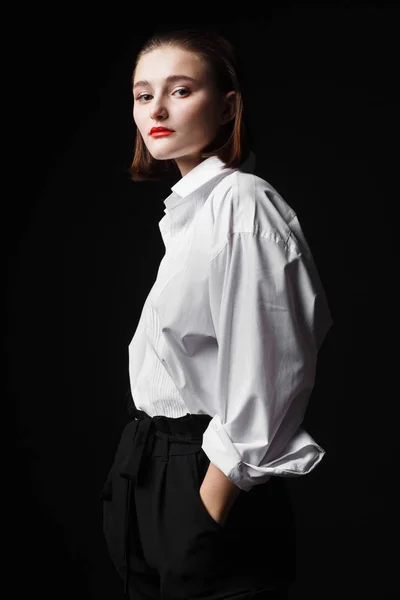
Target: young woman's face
(189, 105)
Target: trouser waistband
(161, 436)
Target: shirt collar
(205, 171)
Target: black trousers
(160, 536)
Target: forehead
(162, 62)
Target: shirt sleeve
(264, 302)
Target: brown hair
(232, 143)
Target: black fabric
(160, 536)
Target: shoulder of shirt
(246, 203)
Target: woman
(223, 359)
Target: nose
(158, 110)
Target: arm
(266, 305)
(218, 493)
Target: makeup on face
(157, 132)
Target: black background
(83, 250)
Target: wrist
(218, 491)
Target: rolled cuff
(299, 457)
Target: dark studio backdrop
(84, 249)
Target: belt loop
(166, 447)
(165, 437)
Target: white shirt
(233, 323)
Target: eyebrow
(170, 79)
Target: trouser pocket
(201, 463)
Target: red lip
(159, 130)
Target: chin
(160, 155)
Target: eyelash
(177, 90)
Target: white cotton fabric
(233, 323)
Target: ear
(228, 108)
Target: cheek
(199, 116)
(137, 119)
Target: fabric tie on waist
(143, 439)
(141, 446)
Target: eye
(142, 96)
(186, 91)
